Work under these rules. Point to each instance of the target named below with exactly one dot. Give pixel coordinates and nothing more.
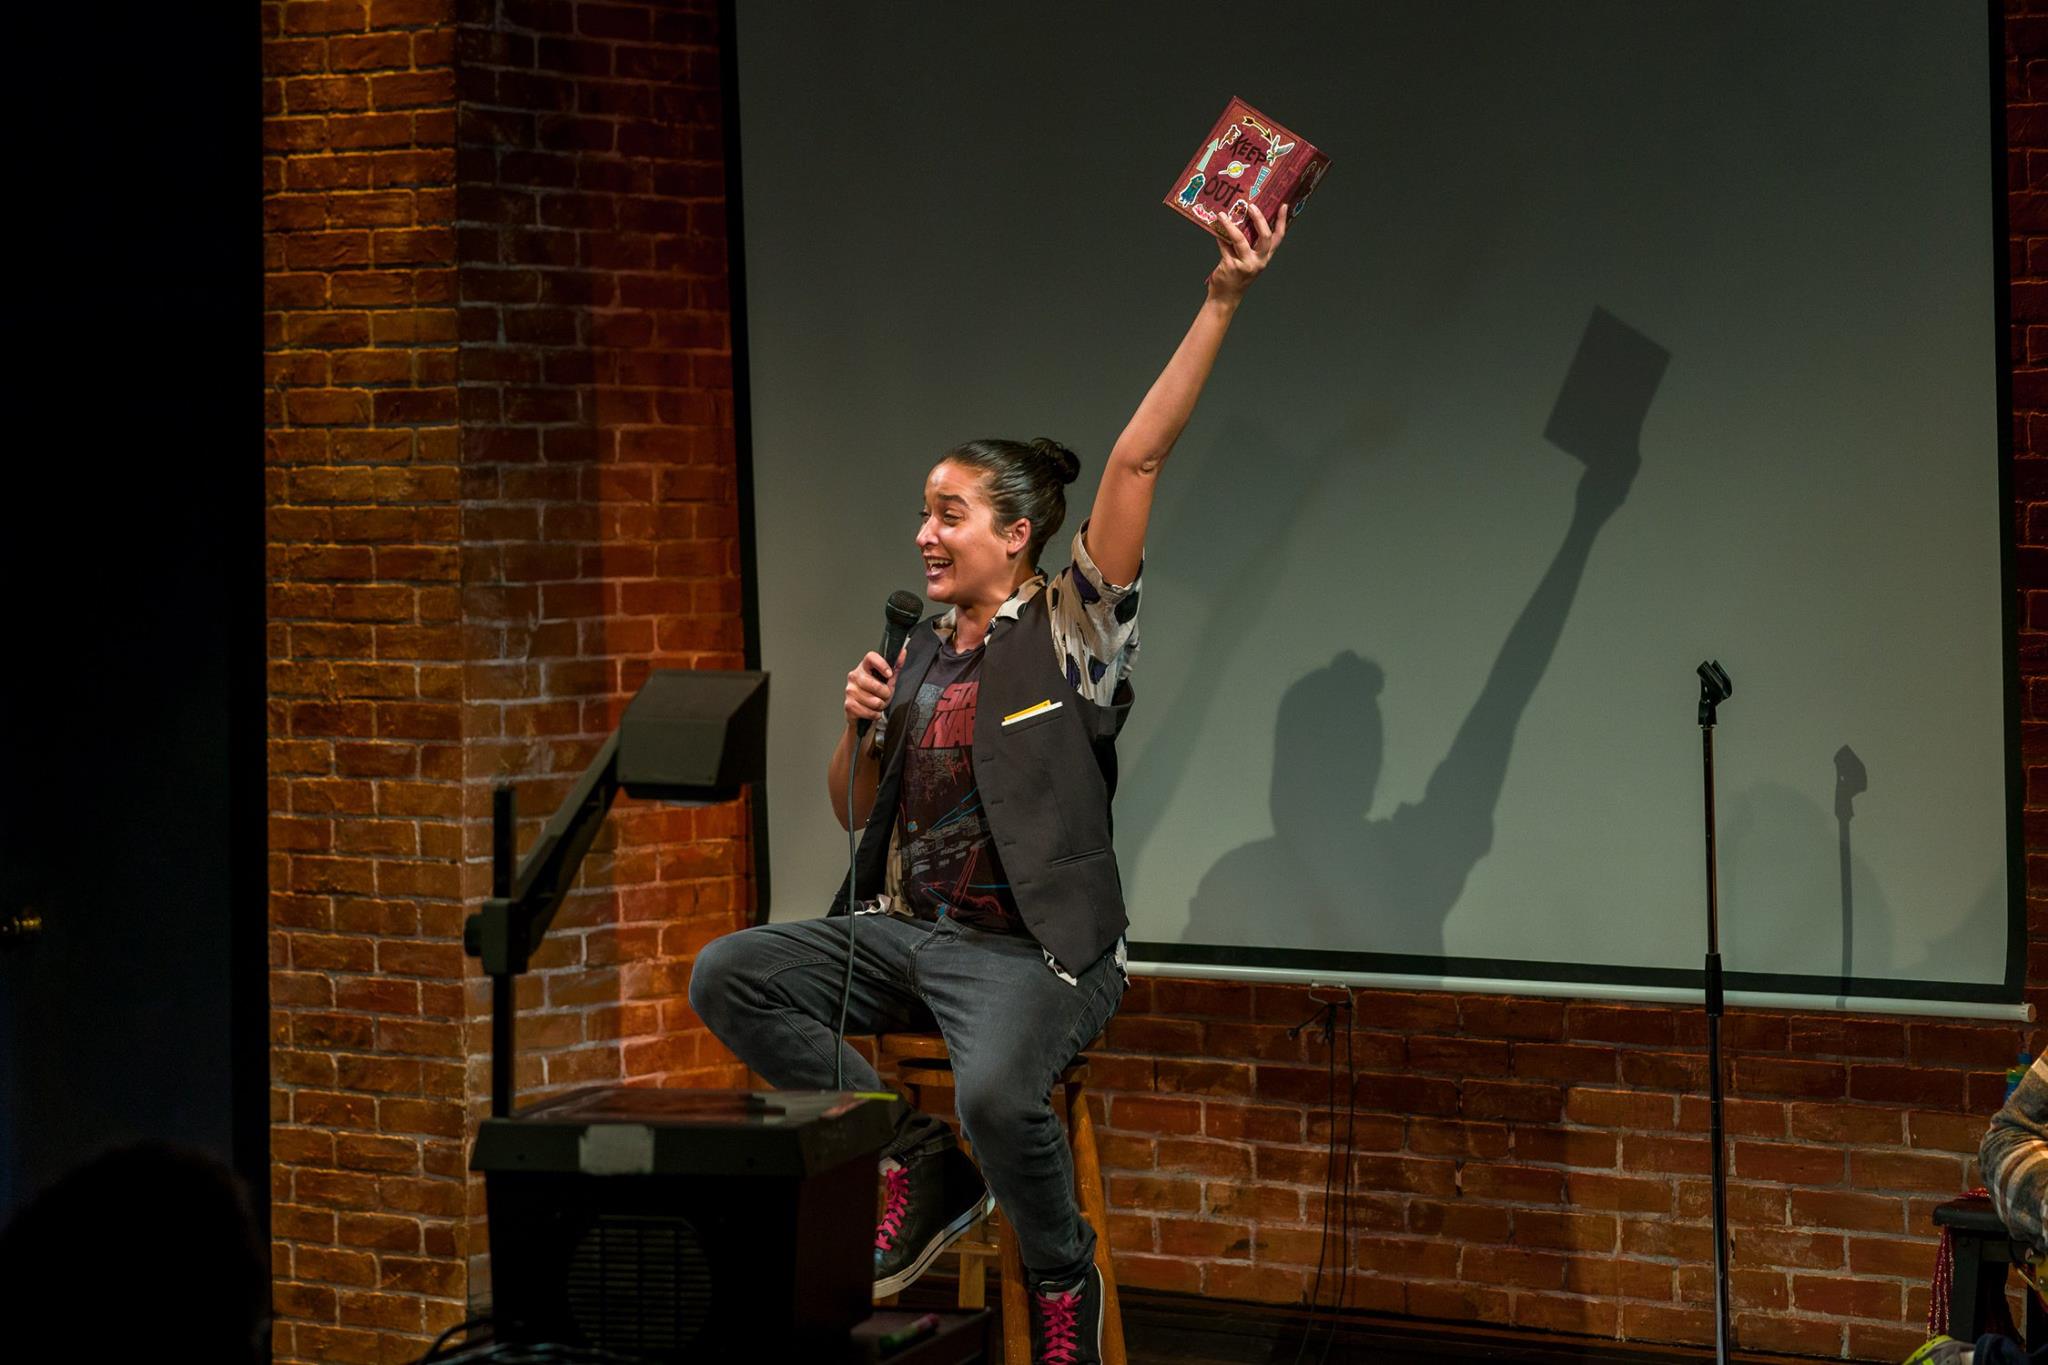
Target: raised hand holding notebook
(1247, 159)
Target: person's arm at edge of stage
(1123, 500)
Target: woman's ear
(1017, 539)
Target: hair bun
(1362, 677)
(1064, 462)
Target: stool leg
(1016, 1315)
(973, 1282)
(1094, 1207)
(973, 1285)
(974, 1275)
(1963, 1287)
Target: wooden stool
(921, 1063)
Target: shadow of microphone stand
(1851, 781)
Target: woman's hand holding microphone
(869, 689)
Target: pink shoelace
(895, 1204)
(1060, 1311)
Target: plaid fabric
(2015, 1158)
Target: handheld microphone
(899, 614)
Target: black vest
(1046, 783)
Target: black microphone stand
(1715, 689)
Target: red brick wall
(501, 490)
(365, 675)
(1543, 1163)
(600, 528)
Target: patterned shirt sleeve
(1094, 623)
(2015, 1158)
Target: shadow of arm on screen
(1455, 816)
(1326, 861)
(1597, 420)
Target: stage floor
(1177, 1329)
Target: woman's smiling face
(967, 558)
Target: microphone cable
(1326, 1016)
(899, 614)
(852, 913)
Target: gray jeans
(771, 994)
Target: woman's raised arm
(1123, 501)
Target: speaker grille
(639, 1285)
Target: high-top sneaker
(1066, 1322)
(927, 1204)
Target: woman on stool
(993, 908)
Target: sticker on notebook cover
(1242, 138)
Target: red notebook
(1247, 159)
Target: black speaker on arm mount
(663, 1224)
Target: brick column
(600, 527)
(491, 513)
(365, 676)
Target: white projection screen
(1416, 694)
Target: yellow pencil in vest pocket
(1037, 708)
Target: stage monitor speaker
(688, 1226)
(694, 734)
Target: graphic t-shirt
(948, 858)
